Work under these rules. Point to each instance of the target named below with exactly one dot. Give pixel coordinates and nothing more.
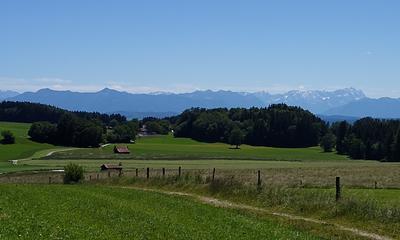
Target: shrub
(73, 173)
(8, 137)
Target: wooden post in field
(137, 172)
(97, 176)
(179, 171)
(90, 177)
(49, 180)
(109, 173)
(213, 175)
(163, 172)
(376, 185)
(148, 173)
(259, 179)
(338, 189)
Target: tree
(114, 123)
(90, 136)
(8, 137)
(236, 137)
(123, 133)
(357, 149)
(43, 132)
(341, 133)
(73, 173)
(396, 148)
(328, 142)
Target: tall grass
(308, 202)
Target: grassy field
(170, 148)
(24, 148)
(52, 212)
(375, 210)
(295, 180)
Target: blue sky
(180, 46)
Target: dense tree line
(124, 132)
(70, 130)
(368, 138)
(155, 125)
(278, 125)
(36, 112)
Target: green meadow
(23, 148)
(169, 148)
(296, 180)
(85, 212)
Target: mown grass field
(170, 148)
(23, 147)
(87, 212)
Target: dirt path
(59, 150)
(227, 204)
(48, 154)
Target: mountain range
(7, 94)
(348, 103)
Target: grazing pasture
(169, 148)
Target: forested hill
(278, 125)
(35, 112)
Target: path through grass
(81, 212)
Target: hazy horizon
(183, 92)
(180, 46)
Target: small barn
(111, 167)
(121, 150)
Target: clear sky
(180, 46)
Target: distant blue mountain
(314, 101)
(338, 118)
(368, 107)
(112, 101)
(7, 94)
(344, 104)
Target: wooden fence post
(376, 185)
(137, 172)
(148, 173)
(213, 175)
(179, 171)
(338, 189)
(163, 172)
(97, 176)
(49, 180)
(259, 179)
(109, 173)
(90, 177)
